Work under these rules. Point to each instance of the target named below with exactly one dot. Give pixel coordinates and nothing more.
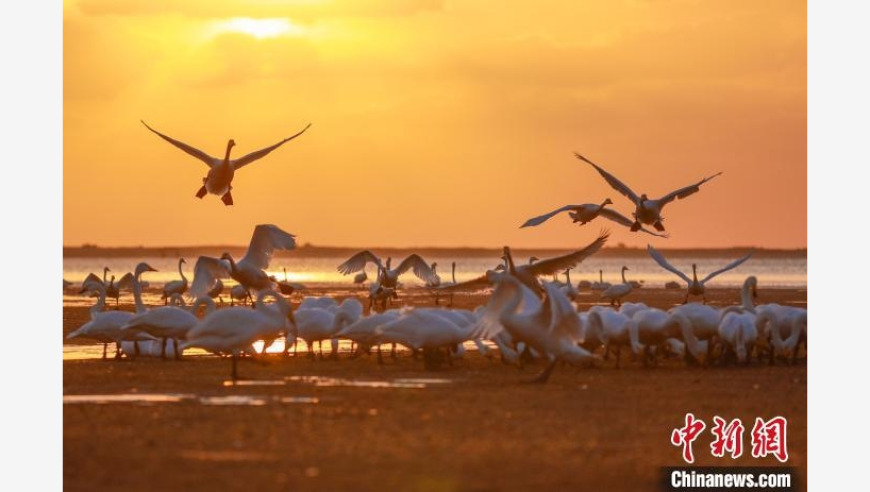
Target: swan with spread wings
(528, 274)
(647, 210)
(695, 287)
(219, 179)
(249, 272)
(388, 277)
(587, 212)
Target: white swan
(768, 325)
(656, 328)
(586, 213)
(738, 332)
(426, 329)
(176, 286)
(615, 293)
(216, 291)
(647, 211)
(104, 326)
(609, 328)
(168, 322)
(250, 270)
(388, 277)
(219, 179)
(551, 327)
(695, 287)
(232, 330)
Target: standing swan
(176, 286)
(647, 211)
(695, 287)
(616, 292)
(219, 179)
(232, 330)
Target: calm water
(771, 272)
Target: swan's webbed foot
(227, 198)
(544, 376)
(202, 191)
(635, 227)
(659, 226)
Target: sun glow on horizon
(260, 28)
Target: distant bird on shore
(249, 272)
(647, 210)
(615, 293)
(219, 179)
(586, 213)
(695, 287)
(601, 284)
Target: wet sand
(481, 428)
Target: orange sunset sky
(439, 123)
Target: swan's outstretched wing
(733, 264)
(686, 191)
(206, 273)
(126, 281)
(617, 217)
(543, 218)
(207, 159)
(266, 239)
(419, 266)
(612, 181)
(664, 263)
(92, 277)
(358, 262)
(258, 154)
(478, 283)
(489, 324)
(561, 263)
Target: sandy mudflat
(478, 427)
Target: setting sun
(260, 28)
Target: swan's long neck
(101, 302)
(137, 294)
(746, 296)
(510, 260)
(105, 269)
(688, 333)
(601, 207)
(600, 276)
(181, 272)
(623, 276)
(694, 274)
(227, 155)
(285, 273)
(513, 304)
(453, 272)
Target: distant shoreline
(311, 251)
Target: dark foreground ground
(480, 427)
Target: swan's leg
(544, 376)
(380, 358)
(163, 348)
(104, 350)
(227, 198)
(393, 352)
(658, 225)
(175, 349)
(320, 348)
(202, 191)
(117, 350)
(136, 348)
